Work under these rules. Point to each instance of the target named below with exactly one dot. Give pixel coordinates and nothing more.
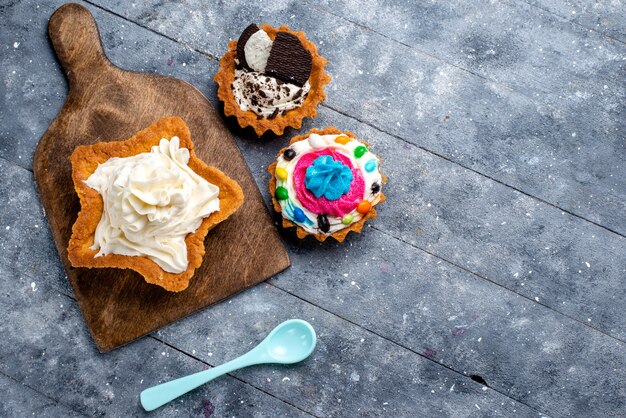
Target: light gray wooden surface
(493, 282)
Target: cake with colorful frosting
(271, 79)
(326, 183)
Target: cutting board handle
(76, 41)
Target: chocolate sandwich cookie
(288, 60)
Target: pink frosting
(338, 208)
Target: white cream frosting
(313, 143)
(151, 202)
(265, 95)
(257, 50)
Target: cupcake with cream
(147, 204)
(326, 184)
(271, 79)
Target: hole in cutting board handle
(76, 41)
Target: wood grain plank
(531, 248)
(351, 372)
(544, 148)
(20, 401)
(606, 17)
(518, 347)
(508, 42)
(504, 236)
(532, 138)
(33, 84)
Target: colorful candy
(317, 141)
(347, 220)
(342, 139)
(289, 154)
(282, 193)
(322, 223)
(298, 215)
(327, 182)
(281, 173)
(363, 207)
(370, 166)
(360, 151)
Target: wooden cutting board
(106, 103)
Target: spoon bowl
(290, 342)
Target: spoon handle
(159, 395)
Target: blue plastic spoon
(288, 343)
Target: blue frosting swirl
(327, 177)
